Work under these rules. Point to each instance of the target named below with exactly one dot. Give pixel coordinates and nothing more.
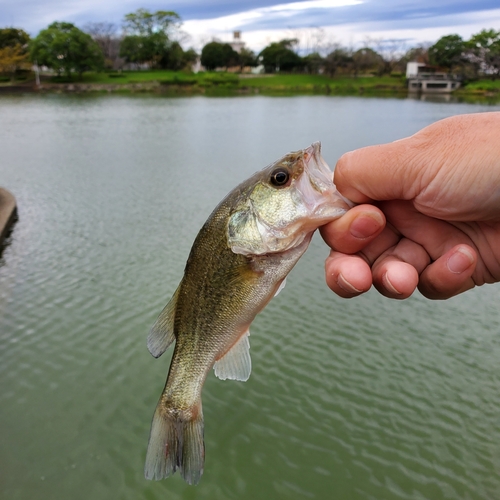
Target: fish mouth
(317, 190)
(320, 175)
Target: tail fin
(175, 444)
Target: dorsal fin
(236, 363)
(162, 334)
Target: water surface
(360, 399)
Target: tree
(190, 57)
(11, 59)
(105, 35)
(145, 49)
(247, 58)
(230, 56)
(484, 51)
(219, 55)
(66, 49)
(367, 59)
(12, 37)
(339, 59)
(447, 51)
(278, 56)
(175, 58)
(418, 54)
(13, 50)
(133, 49)
(148, 38)
(145, 23)
(313, 62)
(212, 56)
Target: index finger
(354, 230)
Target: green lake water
(361, 399)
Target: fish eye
(279, 177)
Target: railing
(435, 76)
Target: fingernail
(387, 283)
(460, 261)
(346, 286)
(365, 226)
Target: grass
(484, 85)
(299, 82)
(280, 84)
(162, 77)
(322, 82)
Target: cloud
(262, 21)
(265, 24)
(337, 12)
(272, 17)
(349, 23)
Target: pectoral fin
(236, 363)
(161, 334)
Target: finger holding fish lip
(355, 229)
(347, 268)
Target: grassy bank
(324, 84)
(176, 82)
(206, 81)
(482, 86)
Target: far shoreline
(171, 83)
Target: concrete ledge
(8, 212)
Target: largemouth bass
(238, 263)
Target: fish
(238, 262)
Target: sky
(317, 24)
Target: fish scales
(237, 263)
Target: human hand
(429, 213)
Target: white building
(425, 79)
(412, 69)
(237, 44)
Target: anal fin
(236, 364)
(282, 285)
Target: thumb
(384, 172)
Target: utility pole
(37, 74)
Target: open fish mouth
(317, 190)
(320, 175)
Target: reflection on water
(368, 398)
(434, 97)
(479, 99)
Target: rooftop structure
(237, 44)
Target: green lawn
(482, 85)
(215, 82)
(297, 82)
(322, 82)
(162, 76)
(283, 80)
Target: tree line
(148, 40)
(477, 57)
(153, 40)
